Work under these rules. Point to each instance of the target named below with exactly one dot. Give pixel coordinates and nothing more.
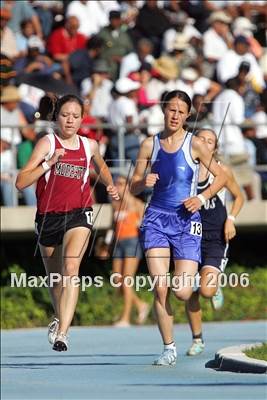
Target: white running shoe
(218, 299)
(61, 342)
(196, 348)
(52, 330)
(168, 357)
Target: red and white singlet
(66, 186)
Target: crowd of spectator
(121, 57)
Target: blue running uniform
(166, 222)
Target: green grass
(258, 352)
(31, 307)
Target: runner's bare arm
(33, 170)
(140, 181)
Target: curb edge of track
(234, 360)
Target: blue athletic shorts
(127, 248)
(179, 230)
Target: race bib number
(196, 228)
(89, 217)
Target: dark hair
(180, 94)
(66, 99)
(95, 42)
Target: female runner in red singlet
(60, 165)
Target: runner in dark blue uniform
(217, 230)
(171, 224)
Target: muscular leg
(185, 271)
(158, 261)
(208, 287)
(75, 243)
(52, 259)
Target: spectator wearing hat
(97, 89)
(164, 72)
(182, 25)
(229, 65)
(65, 40)
(217, 39)
(90, 15)
(244, 27)
(117, 43)
(81, 61)
(7, 36)
(182, 52)
(123, 110)
(14, 142)
(133, 61)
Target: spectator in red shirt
(66, 40)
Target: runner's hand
(192, 204)
(113, 192)
(56, 156)
(150, 180)
(229, 230)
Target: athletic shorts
(179, 230)
(214, 252)
(127, 248)
(51, 227)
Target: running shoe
(61, 342)
(196, 348)
(168, 357)
(52, 330)
(218, 299)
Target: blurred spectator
(229, 114)
(65, 40)
(228, 66)
(81, 61)
(117, 43)
(97, 88)
(260, 117)
(7, 36)
(36, 62)
(46, 10)
(90, 15)
(200, 116)
(13, 144)
(154, 117)
(181, 52)
(250, 96)
(151, 23)
(217, 39)
(123, 110)
(21, 11)
(127, 252)
(182, 27)
(132, 62)
(164, 72)
(7, 72)
(23, 36)
(244, 27)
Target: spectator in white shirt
(217, 39)
(229, 65)
(229, 114)
(98, 89)
(133, 61)
(123, 110)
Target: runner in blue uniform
(171, 226)
(217, 230)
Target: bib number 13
(196, 228)
(89, 217)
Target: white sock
(170, 346)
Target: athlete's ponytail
(47, 108)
